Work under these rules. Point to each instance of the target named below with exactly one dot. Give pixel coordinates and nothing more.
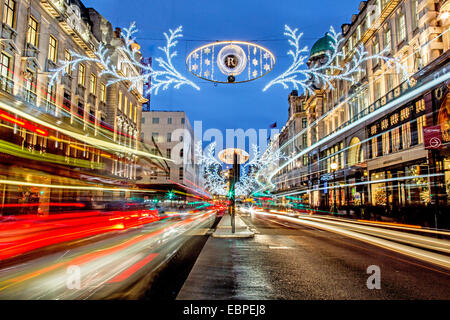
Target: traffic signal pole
(234, 178)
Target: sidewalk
(214, 275)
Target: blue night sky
(260, 21)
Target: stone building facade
(366, 140)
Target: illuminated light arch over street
(247, 60)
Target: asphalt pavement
(291, 261)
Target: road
(290, 261)
(118, 266)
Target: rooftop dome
(321, 46)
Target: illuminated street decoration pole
(234, 157)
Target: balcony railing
(80, 90)
(29, 96)
(8, 32)
(31, 51)
(50, 107)
(6, 85)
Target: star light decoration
(217, 184)
(331, 70)
(163, 77)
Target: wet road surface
(290, 261)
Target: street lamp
(334, 167)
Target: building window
(406, 135)
(394, 119)
(120, 100)
(395, 139)
(169, 137)
(52, 49)
(375, 51)
(304, 140)
(93, 84)
(385, 143)
(125, 104)
(155, 136)
(384, 124)
(9, 13)
(169, 120)
(155, 121)
(5, 73)
(130, 110)
(420, 106)
(421, 121)
(182, 120)
(181, 138)
(81, 74)
(414, 14)
(181, 153)
(102, 92)
(401, 28)
(33, 27)
(374, 143)
(135, 115)
(304, 122)
(181, 173)
(68, 57)
(169, 153)
(404, 113)
(143, 120)
(387, 39)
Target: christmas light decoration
(217, 183)
(163, 78)
(329, 71)
(217, 61)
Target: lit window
(120, 100)
(102, 92)
(420, 106)
(5, 67)
(395, 139)
(406, 135)
(414, 14)
(401, 28)
(420, 124)
(68, 57)
(373, 130)
(52, 49)
(81, 74)
(394, 119)
(387, 39)
(384, 124)
(93, 84)
(374, 143)
(33, 27)
(385, 143)
(131, 110)
(404, 114)
(9, 13)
